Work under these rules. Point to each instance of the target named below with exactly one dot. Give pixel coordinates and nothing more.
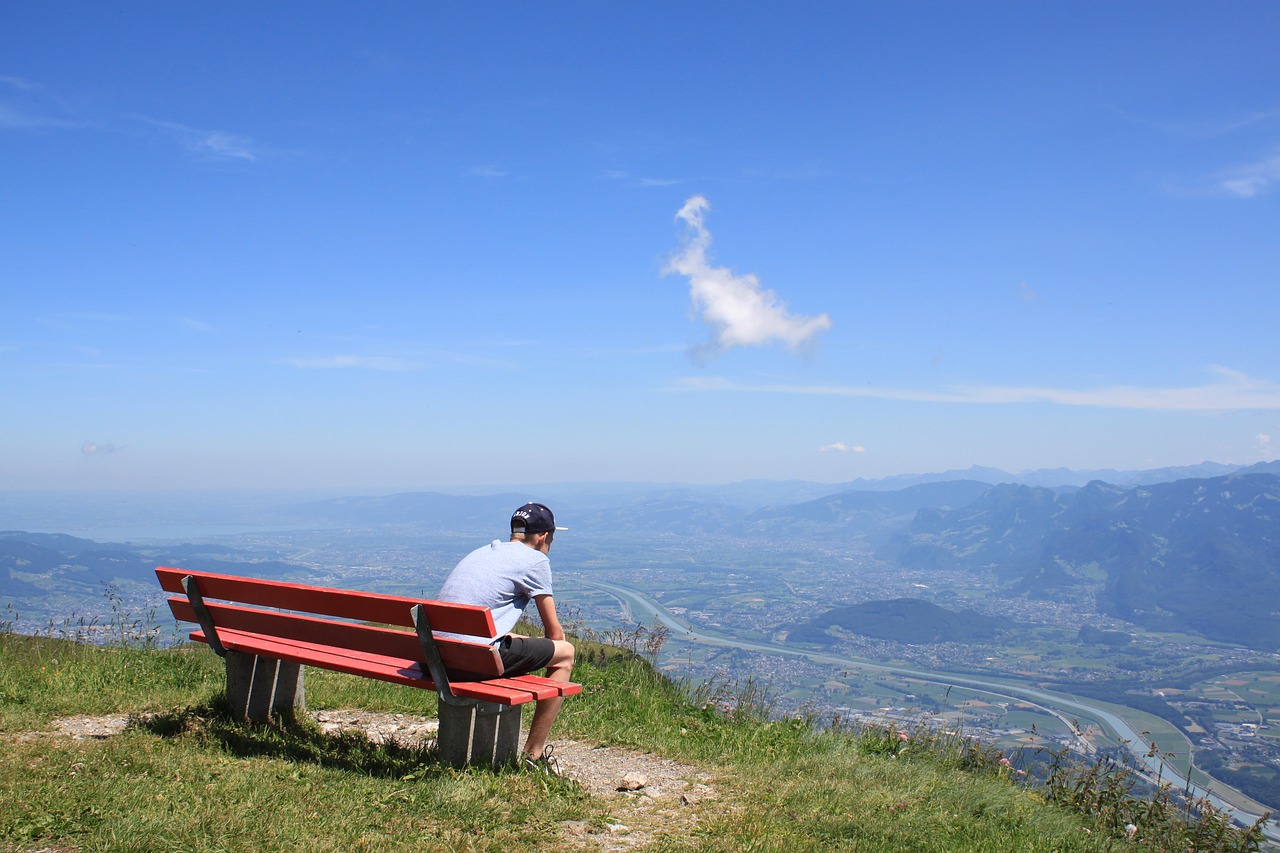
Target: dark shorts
(522, 655)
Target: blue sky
(419, 245)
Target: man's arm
(550, 622)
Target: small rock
(689, 799)
(576, 827)
(618, 828)
(633, 782)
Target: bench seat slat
(394, 670)
(399, 670)
(460, 656)
(538, 691)
(564, 688)
(468, 619)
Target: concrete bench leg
(497, 735)
(261, 689)
(483, 733)
(454, 737)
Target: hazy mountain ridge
(34, 564)
(861, 513)
(780, 508)
(173, 514)
(1172, 555)
(1200, 555)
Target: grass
(185, 777)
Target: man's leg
(560, 668)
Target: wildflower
(903, 736)
(1006, 762)
(1130, 830)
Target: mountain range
(1166, 551)
(32, 564)
(1199, 555)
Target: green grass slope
(184, 778)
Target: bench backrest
(343, 617)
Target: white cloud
(208, 143)
(343, 362)
(488, 172)
(14, 120)
(1234, 392)
(30, 108)
(20, 83)
(219, 143)
(842, 447)
(740, 312)
(1264, 446)
(40, 106)
(637, 181)
(92, 448)
(1254, 179)
(1197, 126)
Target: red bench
(268, 630)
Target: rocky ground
(647, 796)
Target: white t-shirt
(503, 576)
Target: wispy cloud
(1201, 127)
(630, 180)
(842, 447)
(13, 119)
(351, 362)
(1254, 179)
(739, 311)
(20, 83)
(28, 109)
(31, 105)
(217, 144)
(93, 448)
(1235, 391)
(488, 171)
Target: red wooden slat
(346, 604)
(538, 691)
(483, 691)
(397, 672)
(365, 638)
(565, 688)
(458, 656)
(405, 672)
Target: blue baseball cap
(534, 518)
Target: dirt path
(647, 796)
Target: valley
(1003, 612)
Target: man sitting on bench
(505, 577)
